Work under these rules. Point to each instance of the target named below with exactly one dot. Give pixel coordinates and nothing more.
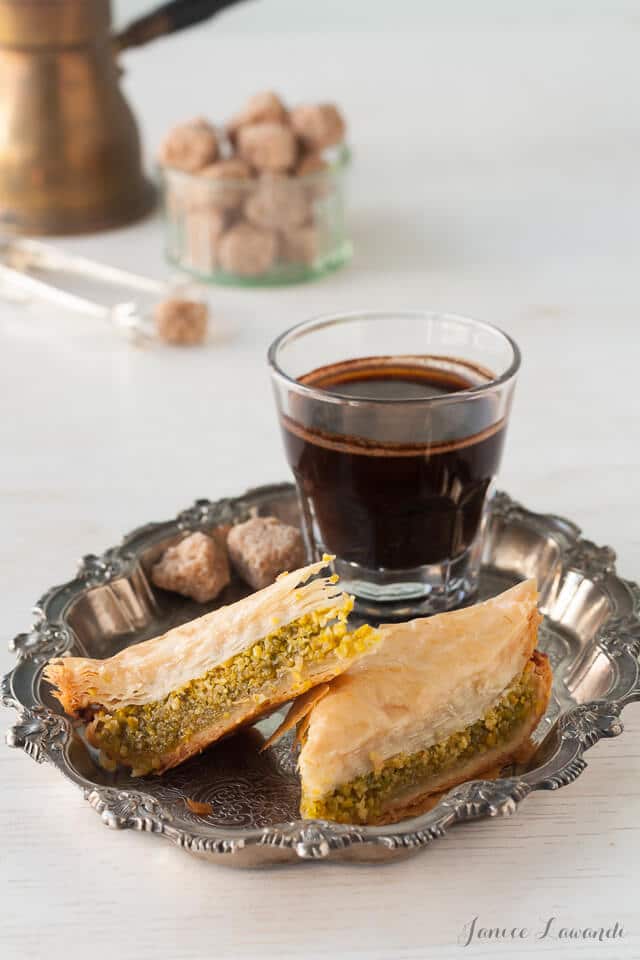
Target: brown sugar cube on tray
(262, 548)
(256, 196)
(196, 567)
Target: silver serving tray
(591, 632)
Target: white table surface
(496, 175)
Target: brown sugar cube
(299, 245)
(311, 163)
(197, 567)
(220, 187)
(264, 547)
(313, 166)
(247, 250)
(228, 184)
(267, 146)
(190, 146)
(182, 194)
(263, 107)
(203, 230)
(318, 125)
(181, 322)
(278, 202)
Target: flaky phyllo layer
(158, 702)
(434, 695)
(142, 735)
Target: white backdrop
(367, 15)
(496, 174)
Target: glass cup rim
(330, 319)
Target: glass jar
(258, 231)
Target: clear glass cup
(260, 231)
(394, 426)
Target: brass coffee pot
(69, 146)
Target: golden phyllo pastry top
(425, 680)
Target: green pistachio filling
(139, 735)
(365, 798)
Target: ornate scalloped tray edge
(591, 631)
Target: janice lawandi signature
(551, 928)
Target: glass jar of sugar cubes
(261, 201)
(271, 228)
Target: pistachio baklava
(156, 703)
(438, 701)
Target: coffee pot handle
(168, 18)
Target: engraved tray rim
(45, 734)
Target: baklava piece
(439, 701)
(156, 703)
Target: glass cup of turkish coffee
(394, 426)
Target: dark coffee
(383, 503)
